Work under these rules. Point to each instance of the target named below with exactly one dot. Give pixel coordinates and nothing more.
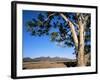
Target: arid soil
(42, 64)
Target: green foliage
(54, 35)
(41, 17)
(31, 24)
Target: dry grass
(42, 64)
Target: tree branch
(49, 17)
(72, 29)
(75, 24)
(86, 17)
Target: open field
(46, 64)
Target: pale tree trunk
(81, 56)
(78, 44)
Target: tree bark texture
(81, 56)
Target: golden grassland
(43, 64)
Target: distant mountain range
(27, 59)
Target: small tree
(70, 29)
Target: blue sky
(41, 46)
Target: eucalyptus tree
(66, 29)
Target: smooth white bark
(72, 29)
